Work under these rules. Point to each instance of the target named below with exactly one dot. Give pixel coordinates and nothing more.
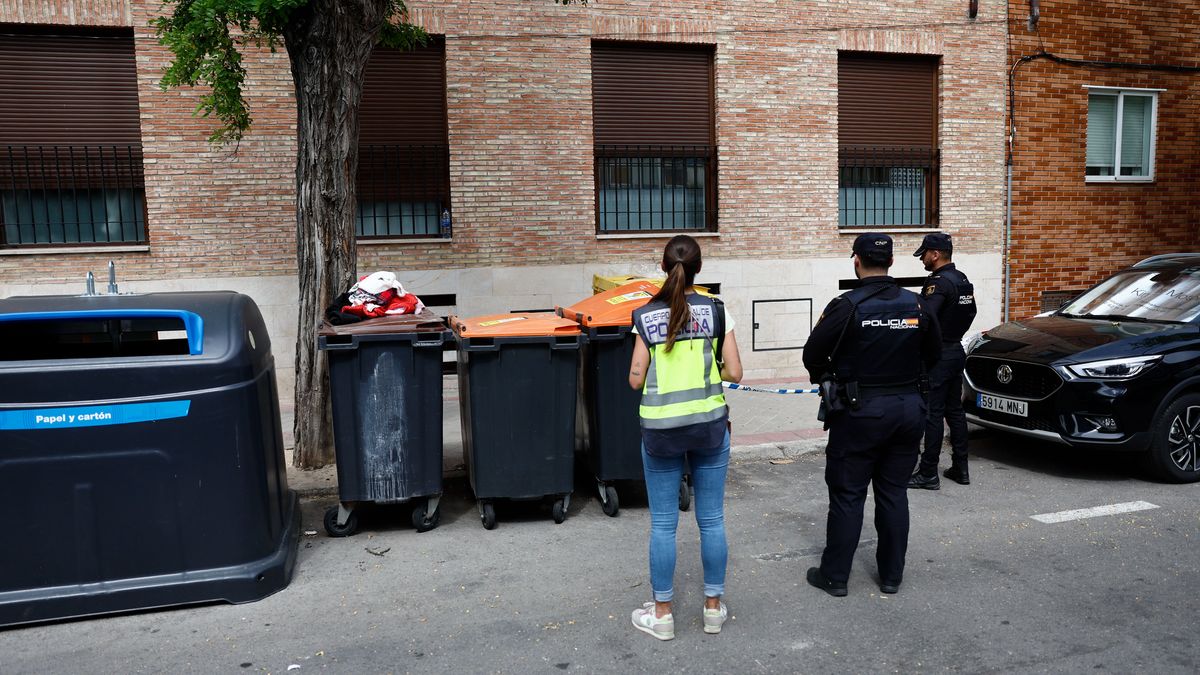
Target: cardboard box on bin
(602, 283)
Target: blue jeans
(663, 475)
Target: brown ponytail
(681, 261)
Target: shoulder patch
(930, 289)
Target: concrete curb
(788, 450)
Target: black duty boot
(818, 580)
(918, 480)
(958, 474)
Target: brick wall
(1068, 234)
(518, 89)
(210, 212)
(518, 80)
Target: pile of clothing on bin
(375, 295)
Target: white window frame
(1120, 93)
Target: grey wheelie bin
(141, 455)
(608, 407)
(385, 384)
(517, 378)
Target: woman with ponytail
(685, 348)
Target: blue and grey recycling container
(385, 384)
(141, 455)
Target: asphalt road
(987, 588)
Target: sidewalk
(764, 426)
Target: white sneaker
(661, 628)
(715, 618)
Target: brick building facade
(522, 173)
(1074, 218)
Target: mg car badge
(1004, 374)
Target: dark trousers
(877, 445)
(945, 403)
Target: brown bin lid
(518, 324)
(421, 322)
(613, 307)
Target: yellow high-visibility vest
(683, 386)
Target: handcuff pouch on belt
(836, 397)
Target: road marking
(1094, 512)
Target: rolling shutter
(404, 96)
(403, 161)
(68, 89)
(651, 94)
(887, 100)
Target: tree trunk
(328, 42)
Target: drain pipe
(1008, 236)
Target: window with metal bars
(652, 187)
(888, 160)
(655, 160)
(887, 186)
(70, 138)
(403, 150)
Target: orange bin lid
(613, 307)
(519, 324)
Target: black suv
(1117, 368)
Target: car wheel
(1175, 450)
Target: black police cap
(872, 243)
(938, 241)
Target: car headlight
(1113, 369)
(970, 342)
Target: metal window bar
(895, 186)
(65, 195)
(653, 188)
(402, 190)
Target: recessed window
(70, 138)
(403, 147)
(1120, 135)
(652, 121)
(887, 140)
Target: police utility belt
(837, 397)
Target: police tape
(731, 385)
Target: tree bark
(328, 43)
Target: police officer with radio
(869, 351)
(949, 295)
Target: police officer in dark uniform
(949, 295)
(869, 351)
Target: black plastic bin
(385, 382)
(608, 407)
(142, 455)
(517, 380)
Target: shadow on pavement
(1054, 459)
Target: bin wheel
(685, 496)
(425, 522)
(335, 530)
(559, 511)
(487, 513)
(610, 505)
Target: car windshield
(1142, 295)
